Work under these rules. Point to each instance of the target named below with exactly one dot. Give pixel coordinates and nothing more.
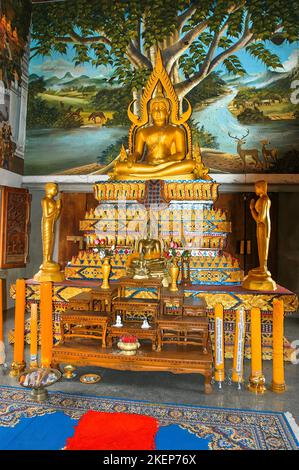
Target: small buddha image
(147, 261)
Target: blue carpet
(32, 426)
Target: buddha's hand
(252, 204)
(130, 161)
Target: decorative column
(237, 375)
(278, 383)
(18, 364)
(257, 379)
(219, 345)
(33, 336)
(46, 323)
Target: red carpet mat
(114, 431)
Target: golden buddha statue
(49, 269)
(147, 260)
(260, 278)
(160, 144)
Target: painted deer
(269, 155)
(243, 153)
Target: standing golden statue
(49, 270)
(160, 144)
(260, 278)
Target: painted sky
(58, 64)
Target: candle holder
(69, 372)
(257, 384)
(16, 368)
(278, 388)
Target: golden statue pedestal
(260, 281)
(50, 272)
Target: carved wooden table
(102, 298)
(173, 358)
(172, 302)
(140, 308)
(194, 307)
(132, 328)
(127, 282)
(82, 301)
(79, 323)
(184, 331)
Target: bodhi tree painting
(236, 62)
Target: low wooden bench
(80, 323)
(184, 331)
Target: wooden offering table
(183, 331)
(84, 324)
(173, 358)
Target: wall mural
(14, 28)
(237, 63)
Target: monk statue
(160, 144)
(260, 278)
(147, 261)
(51, 208)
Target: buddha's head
(51, 189)
(261, 188)
(159, 110)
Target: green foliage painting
(95, 56)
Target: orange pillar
(219, 345)
(278, 383)
(256, 380)
(18, 359)
(33, 336)
(237, 375)
(1, 309)
(46, 323)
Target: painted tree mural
(195, 36)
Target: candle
(18, 357)
(1, 309)
(46, 323)
(33, 336)
(219, 344)
(237, 375)
(257, 380)
(278, 383)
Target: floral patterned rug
(25, 424)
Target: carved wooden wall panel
(14, 227)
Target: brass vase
(174, 274)
(106, 268)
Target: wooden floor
(172, 358)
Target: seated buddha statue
(147, 261)
(160, 148)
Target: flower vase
(106, 268)
(174, 274)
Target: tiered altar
(155, 225)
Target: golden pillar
(18, 358)
(46, 323)
(260, 278)
(237, 374)
(33, 336)
(278, 383)
(256, 380)
(49, 269)
(219, 345)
